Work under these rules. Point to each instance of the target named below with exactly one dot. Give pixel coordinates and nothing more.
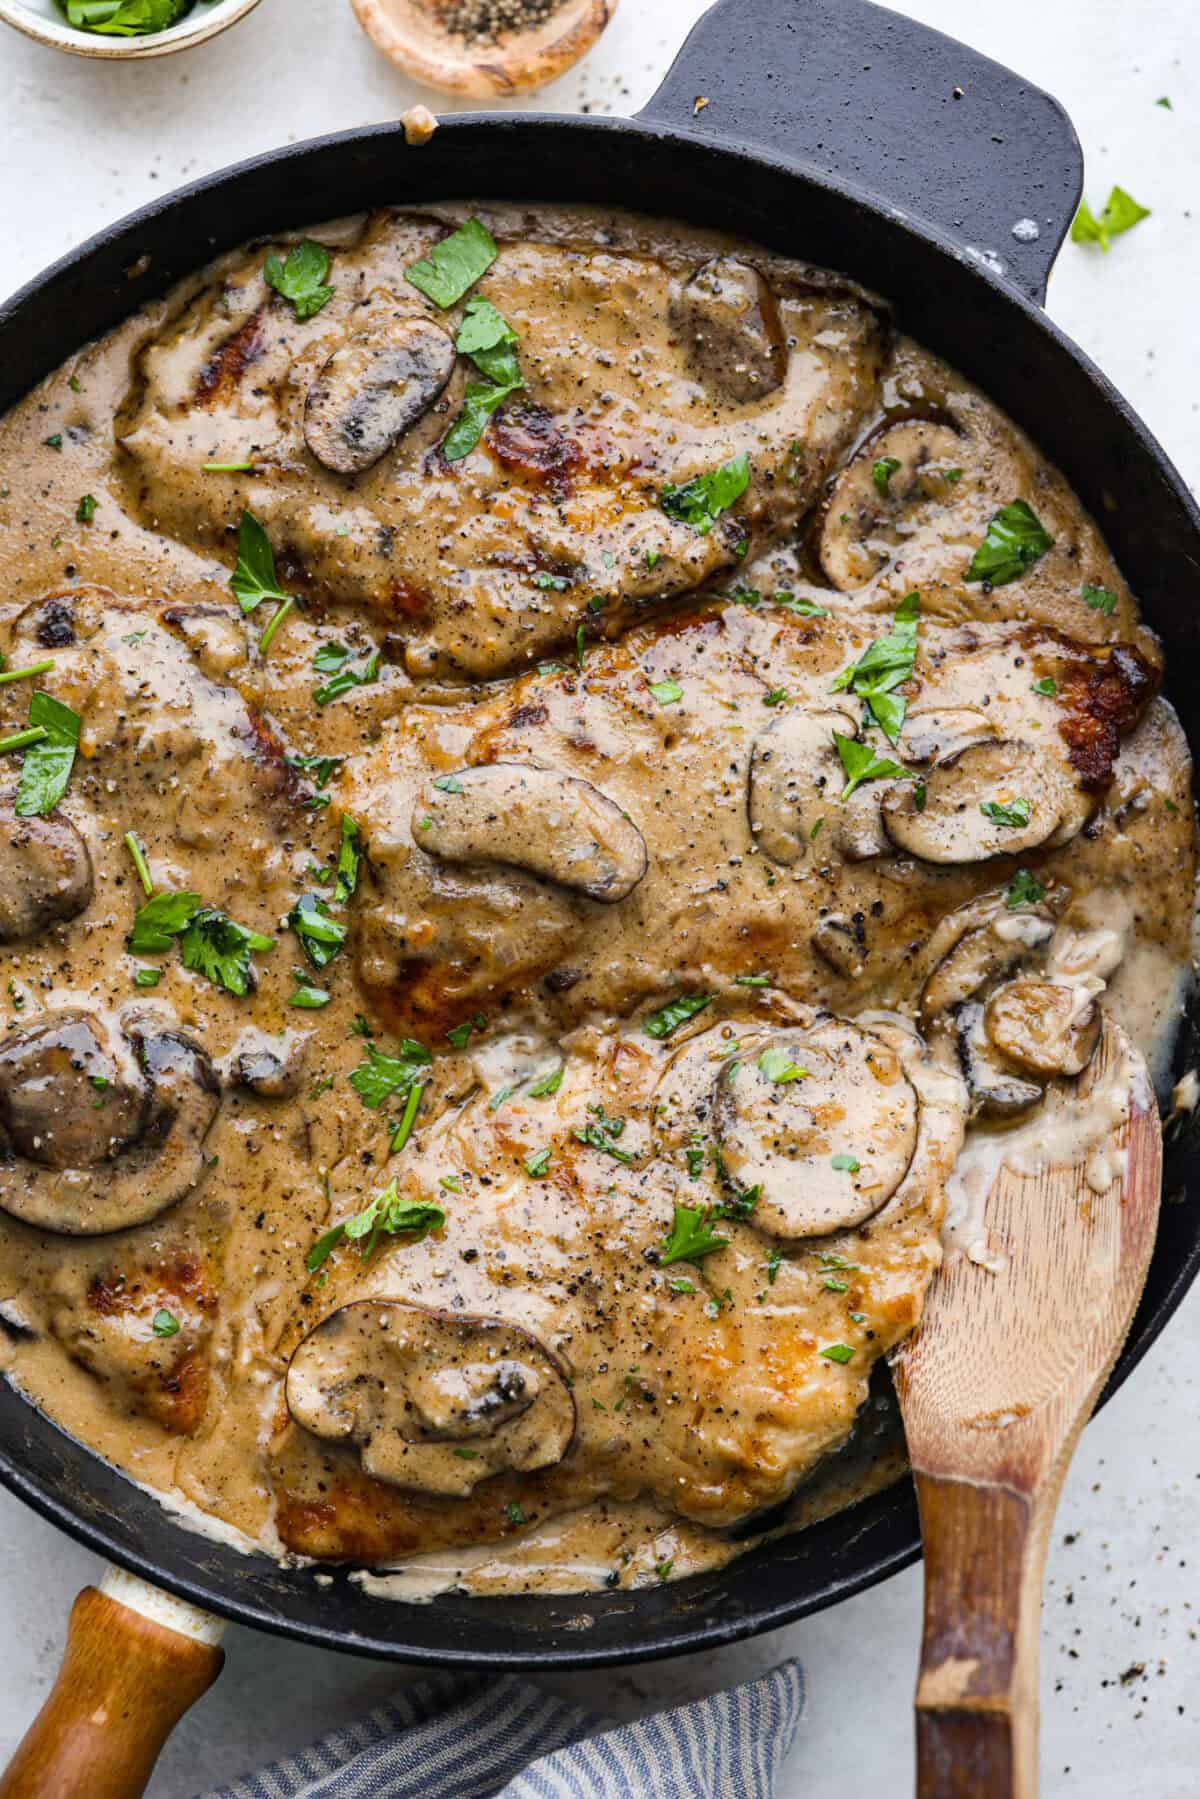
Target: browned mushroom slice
(431, 1400)
(795, 778)
(729, 320)
(45, 873)
(841, 944)
(823, 1120)
(100, 1129)
(369, 393)
(996, 1092)
(554, 825)
(1047, 1027)
(865, 518)
(934, 732)
(978, 943)
(997, 798)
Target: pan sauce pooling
(672, 934)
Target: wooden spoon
(410, 33)
(995, 1386)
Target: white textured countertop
(83, 143)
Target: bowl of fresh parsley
(123, 28)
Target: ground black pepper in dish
(475, 19)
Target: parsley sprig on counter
(1121, 212)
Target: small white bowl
(45, 21)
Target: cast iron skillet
(833, 131)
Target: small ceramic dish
(46, 21)
(410, 33)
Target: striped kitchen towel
(472, 1737)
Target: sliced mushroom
(45, 873)
(553, 824)
(369, 393)
(841, 942)
(978, 943)
(795, 778)
(858, 833)
(100, 1129)
(996, 1092)
(432, 1400)
(1030, 799)
(851, 1102)
(1046, 1027)
(863, 522)
(271, 1067)
(932, 733)
(729, 319)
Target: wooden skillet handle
(977, 1694)
(126, 1680)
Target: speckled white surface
(81, 144)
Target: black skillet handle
(909, 116)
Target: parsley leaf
(778, 1066)
(164, 1323)
(1023, 890)
(882, 472)
(335, 659)
(1047, 687)
(690, 1237)
(321, 935)
(220, 949)
(381, 1076)
(159, 920)
(1121, 213)
(666, 692)
(85, 512)
(321, 768)
(604, 1134)
(454, 264)
(349, 856)
(549, 1083)
(668, 1018)
(1100, 599)
(48, 762)
(845, 1164)
(253, 580)
(537, 1163)
(884, 666)
(836, 1352)
(306, 996)
(701, 502)
(1015, 540)
(861, 764)
(123, 18)
(487, 338)
(301, 279)
(386, 1215)
(479, 403)
(1016, 814)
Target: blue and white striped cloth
(472, 1737)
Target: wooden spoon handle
(126, 1680)
(977, 1695)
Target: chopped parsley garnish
(301, 279)
(776, 697)
(455, 264)
(380, 1076)
(220, 949)
(689, 1238)
(774, 1264)
(952, 475)
(1015, 814)
(448, 784)
(85, 512)
(1100, 599)
(49, 758)
(321, 768)
(334, 659)
(349, 856)
(147, 977)
(537, 1163)
(306, 996)
(513, 1513)
(555, 583)
(460, 1036)
(1023, 890)
(548, 1083)
(1121, 213)
(253, 580)
(668, 1018)
(386, 1215)
(666, 692)
(882, 472)
(862, 764)
(700, 502)
(1015, 540)
(139, 862)
(1047, 687)
(604, 1134)
(681, 1284)
(162, 918)
(845, 1164)
(778, 1066)
(28, 673)
(164, 1323)
(836, 1352)
(321, 935)
(752, 980)
(694, 1155)
(884, 666)
(488, 339)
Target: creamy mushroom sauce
(594, 771)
